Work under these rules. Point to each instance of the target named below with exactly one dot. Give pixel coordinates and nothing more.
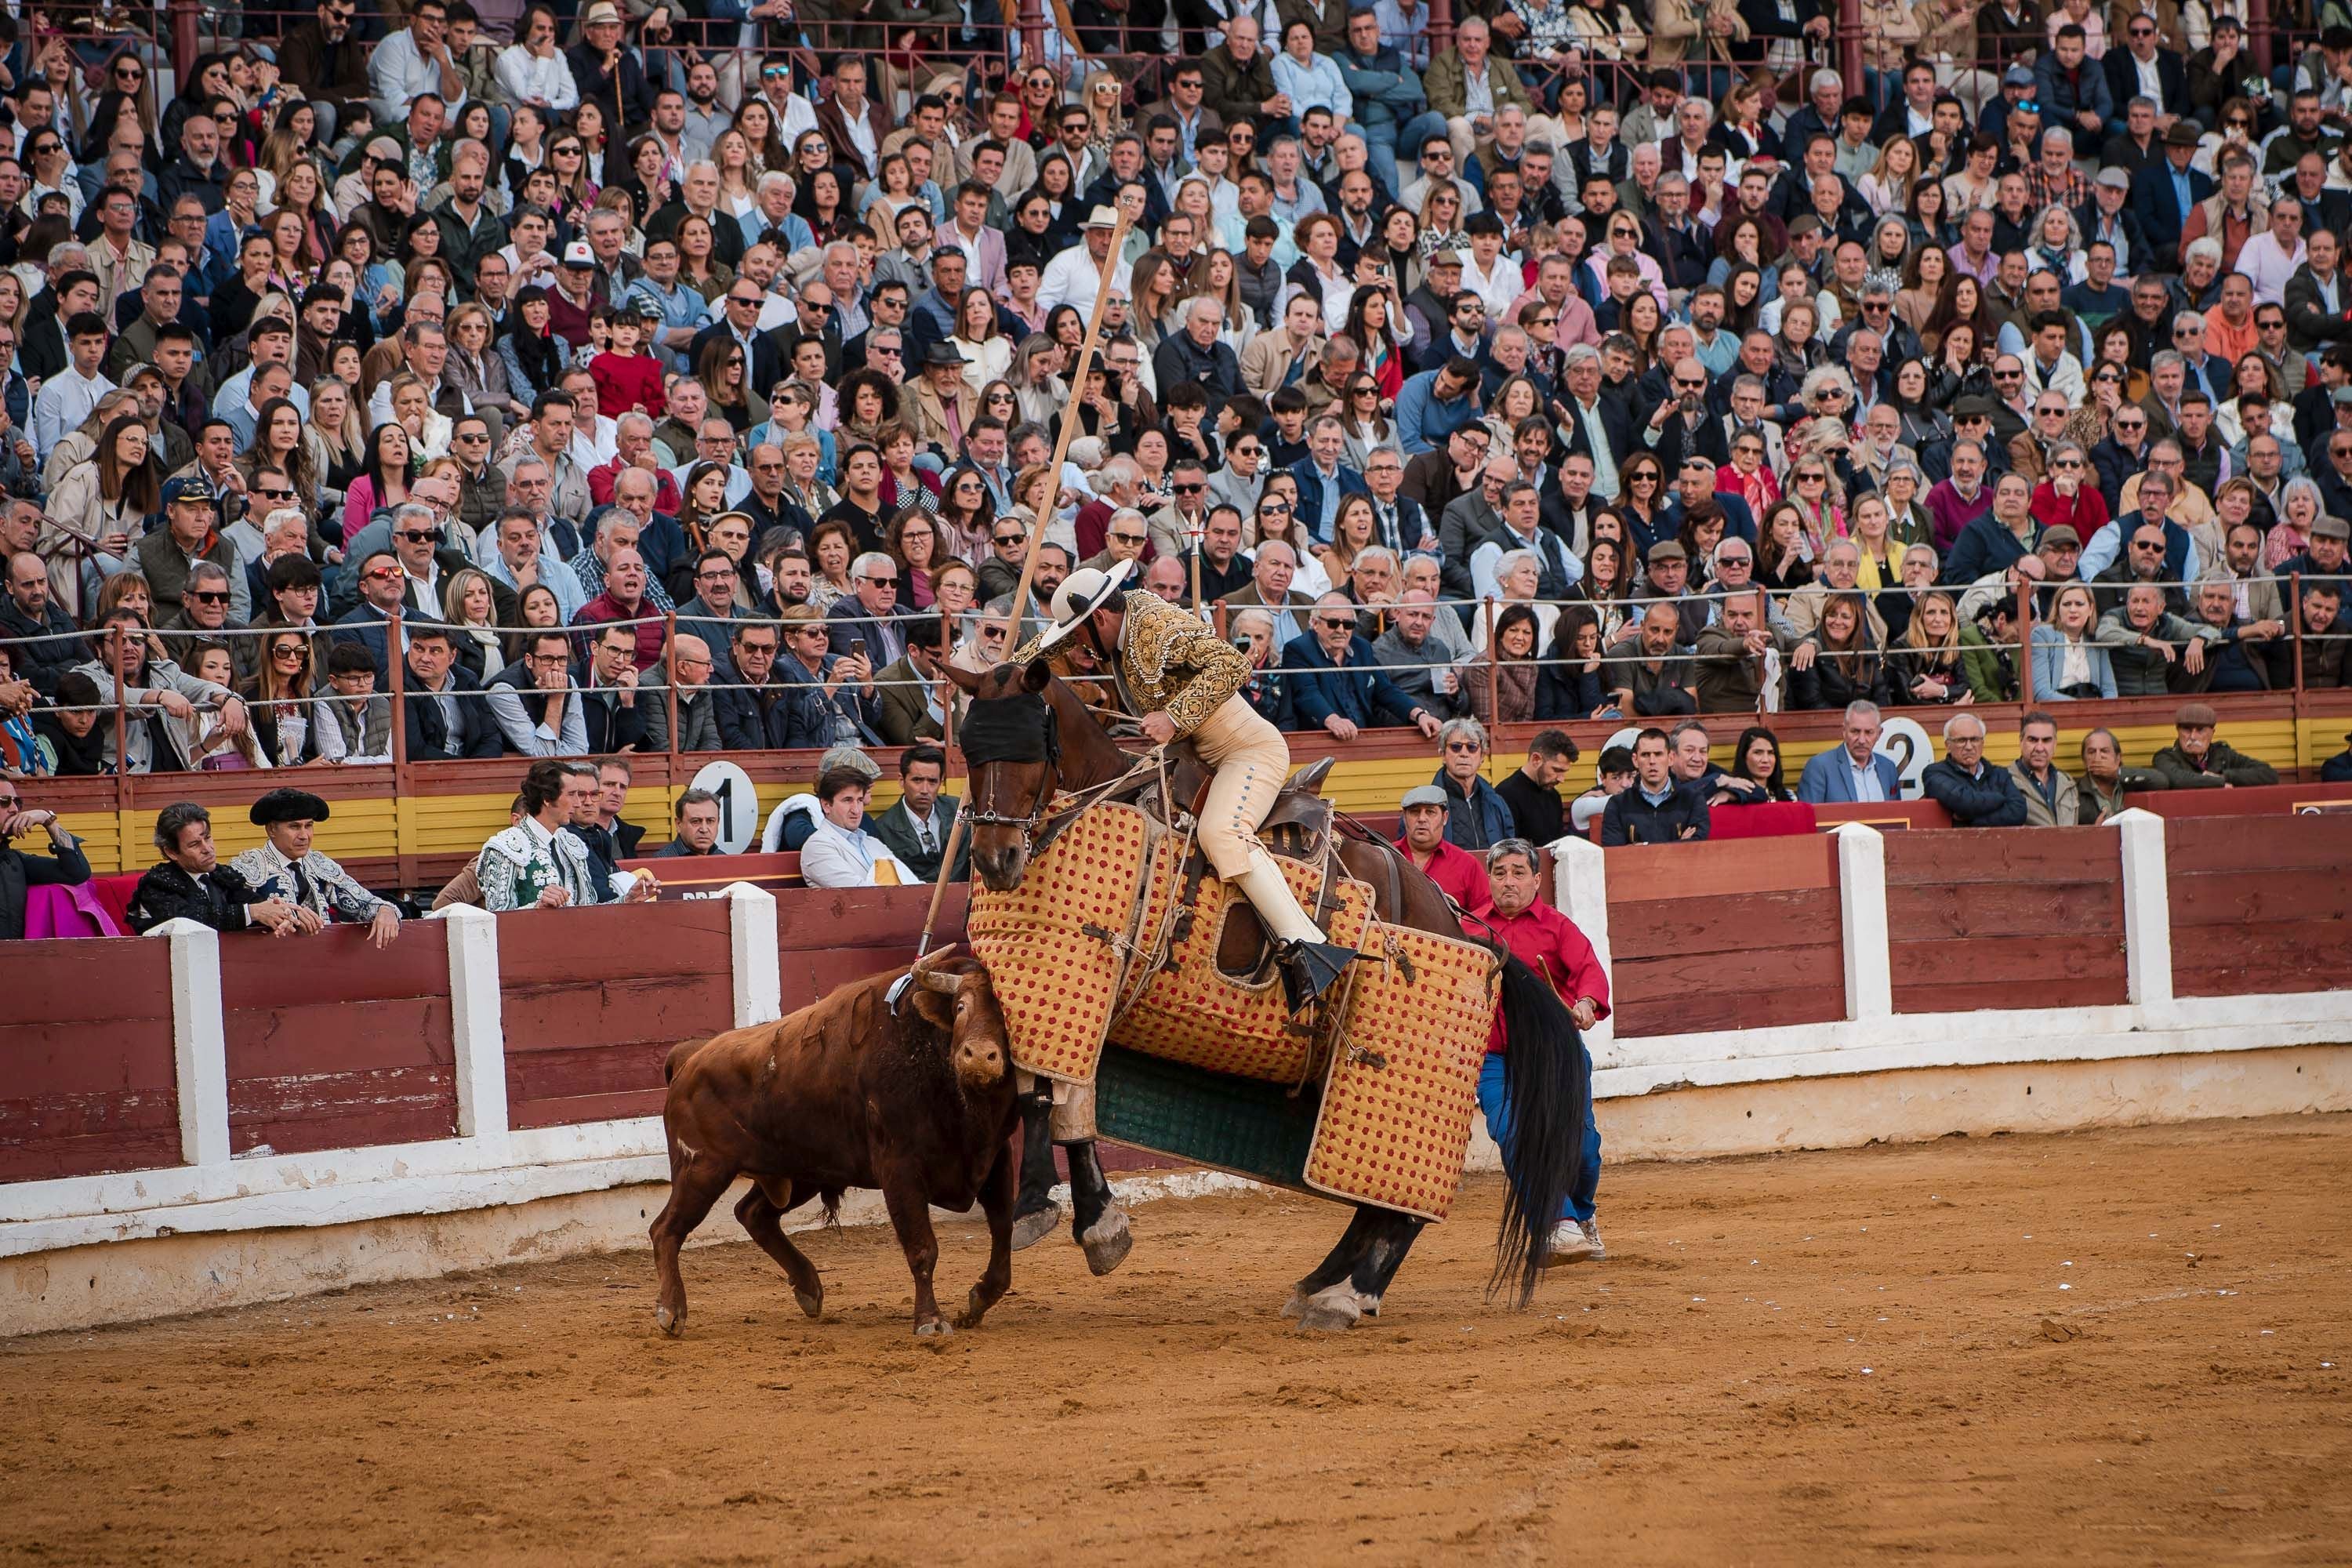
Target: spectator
(192, 884)
(1756, 760)
(536, 705)
(610, 840)
(166, 703)
(354, 723)
(2196, 760)
(1532, 792)
(1653, 681)
(918, 828)
(698, 827)
(383, 585)
(1852, 771)
(1694, 766)
(838, 855)
(286, 867)
(1423, 815)
(2106, 780)
(1657, 809)
(1476, 816)
(1548, 943)
(1612, 776)
(1336, 684)
(535, 864)
(618, 714)
(67, 867)
(1740, 657)
(445, 714)
(910, 705)
(28, 612)
(2050, 797)
(2068, 661)
(697, 705)
(1976, 795)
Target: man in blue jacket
(1388, 97)
(1658, 809)
(1477, 818)
(1976, 795)
(1851, 771)
(1336, 684)
(2164, 193)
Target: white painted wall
(490, 1164)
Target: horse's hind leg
(761, 1214)
(696, 1183)
(1327, 1297)
(1393, 1235)
(1097, 1221)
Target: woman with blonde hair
(477, 371)
(1441, 220)
(470, 606)
(1887, 186)
(1941, 659)
(1101, 97)
(336, 437)
(411, 409)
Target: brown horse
(1008, 815)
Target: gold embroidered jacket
(1171, 662)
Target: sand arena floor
(2125, 1347)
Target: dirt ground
(2125, 1347)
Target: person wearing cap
(1073, 278)
(189, 535)
(286, 867)
(2166, 192)
(1459, 875)
(600, 59)
(2324, 556)
(1185, 681)
(2196, 760)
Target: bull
(914, 1099)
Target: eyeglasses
(380, 575)
(742, 298)
(209, 596)
(1468, 748)
(2130, 426)
(1249, 451)
(418, 535)
(275, 494)
(292, 650)
(2068, 463)
(2147, 544)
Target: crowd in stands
(561, 383)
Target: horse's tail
(1546, 1075)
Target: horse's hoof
(974, 1310)
(1029, 1229)
(1334, 1307)
(812, 1302)
(1296, 1305)
(934, 1329)
(1108, 1243)
(669, 1322)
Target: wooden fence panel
(2005, 918)
(333, 1045)
(2253, 909)
(1742, 934)
(594, 999)
(88, 1078)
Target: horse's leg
(1098, 1224)
(996, 1202)
(1034, 1212)
(761, 1214)
(696, 1182)
(1337, 1265)
(1394, 1238)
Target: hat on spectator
(2019, 75)
(603, 11)
(848, 757)
(1423, 794)
(2340, 396)
(2113, 178)
(577, 253)
(2061, 536)
(187, 488)
(2182, 134)
(1972, 407)
(2331, 527)
(1806, 223)
(287, 806)
(2194, 715)
(384, 149)
(742, 516)
(1445, 258)
(1081, 593)
(1666, 550)
(1102, 218)
(941, 356)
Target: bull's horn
(926, 973)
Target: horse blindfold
(1016, 728)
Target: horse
(1008, 811)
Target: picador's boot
(1036, 1214)
(1309, 970)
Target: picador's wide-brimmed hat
(1081, 593)
(287, 806)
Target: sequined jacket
(1171, 662)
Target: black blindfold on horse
(1014, 728)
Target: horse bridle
(979, 815)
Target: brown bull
(849, 1092)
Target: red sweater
(1548, 943)
(622, 383)
(1459, 875)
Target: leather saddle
(1299, 825)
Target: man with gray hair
(1852, 771)
(1976, 793)
(1423, 650)
(868, 619)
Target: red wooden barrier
(594, 999)
(2291, 799)
(826, 937)
(1743, 934)
(703, 876)
(2259, 903)
(89, 1083)
(332, 1045)
(2027, 918)
(1886, 815)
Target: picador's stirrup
(1309, 970)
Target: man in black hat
(942, 406)
(2166, 192)
(286, 869)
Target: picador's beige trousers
(1252, 761)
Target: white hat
(1082, 593)
(1102, 218)
(577, 254)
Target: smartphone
(857, 647)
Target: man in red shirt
(1547, 942)
(1457, 873)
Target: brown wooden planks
(2273, 956)
(294, 1115)
(1730, 923)
(2280, 843)
(90, 1083)
(821, 918)
(1734, 865)
(620, 942)
(2045, 969)
(2315, 899)
(2004, 856)
(1793, 985)
(1943, 911)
